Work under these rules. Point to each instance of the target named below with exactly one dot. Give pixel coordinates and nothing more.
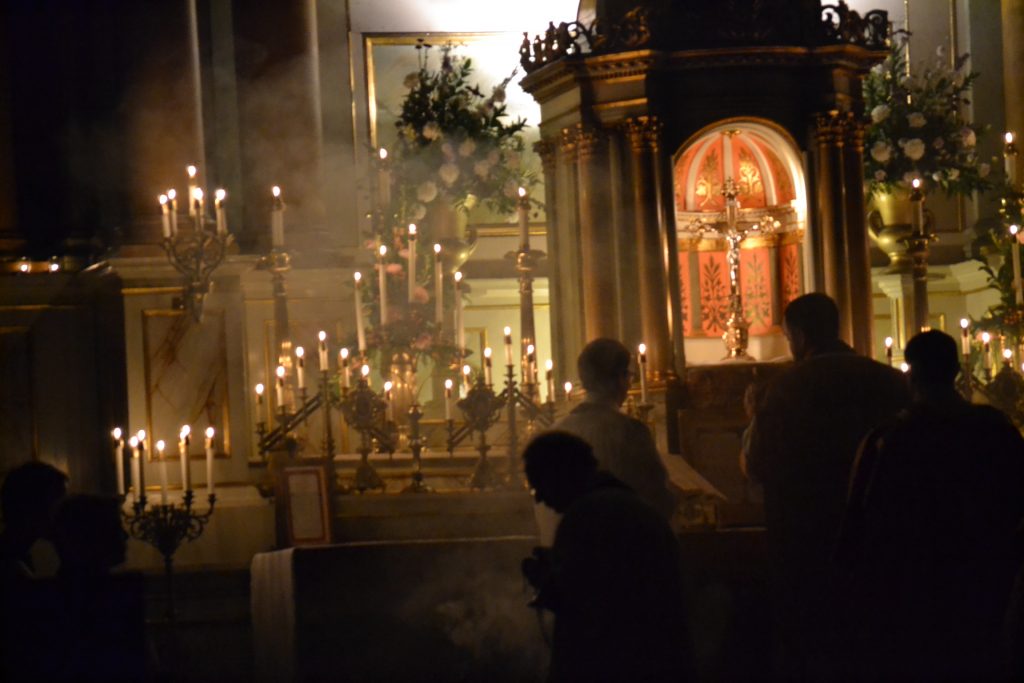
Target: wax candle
(218, 208)
(412, 262)
(904, 368)
(530, 357)
(360, 331)
(163, 471)
(199, 203)
(460, 330)
(382, 275)
(389, 407)
(209, 461)
(888, 349)
(524, 220)
(141, 437)
(277, 219)
(193, 185)
(1015, 255)
(438, 287)
(1010, 159)
(568, 391)
(383, 179)
(1007, 357)
(184, 438)
(364, 373)
(642, 349)
(133, 443)
(448, 400)
(279, 393)
(165, 216)
(917, 199)
(986, 356)
(549, 374)
(322, 348)
(300, 366)
(466, 382)
(172, 198)
(509, 357)
(259, 401)
(487, 366)
(119, 458)
(965, 337)
(343, 365)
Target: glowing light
(300, 352)
(54, 266)
(321, 335)
(568, 388)
(466, 370)
(916, 182)
(344, 354)
(209, 432)
(172, 194)
(530, 349)
(904, 367)
(220, 195)
(163, 199)
(116, 433)
(141, 435)
(357, 276)
(986, 337)
(437, 248)
(1007, 354)
(888, 342)
(1008, 137)
(160, 445)
(133, 442)
(458, 276)
(448, 385)
(184, 432)
(642, 349)
(1014, 229)
(382, 153)
(260, 389)
(549, 365)
(964, 323)
(365, 370)
(197, 194)
(507, 331)
(387, 386)
(522, 192)
(383, 251)
(24, 267)
(412, 229)
(191, 170)
(487, 352)
(280, 372)
(276, 191)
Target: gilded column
(547, 150)
(566, 262)
(644, 135)
(858, 263)
(831, 253)
(597, 246)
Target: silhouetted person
(802, 443)
(622, 445)
(29, 498)
(929, 540)
(612, 578)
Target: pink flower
(420, 295)
(394, 269)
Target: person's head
(604, 367)
(934, 363)
(560, 467)
(810, 323)
(88, 534)
(29, 497)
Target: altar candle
(438, 286)
(218, 207)
(389, 410)
(904, 368)
(568, 391)
(141, 437)
(300, 366)
(259, 400)
(412, 261)
(531, 354)
(986, 348)
(466, 383)
(509, 358)
(360, 332)
(524, 220)
(917, 199)
(209, 461)
(382, 275)
(965, 336)
(460, 330)
(487, 366)
(1007, 357)
(193, 185)
(134, 444)
(1015, 254)
(183, 441)
(279, 387)
(364, 373)
(448, 400)
(119, 458)
(383, 179)
(172, 198)
(888, 350)
(643, 373)
(165, 216)
(344, 368)
(163, 471)
(198, 201)
(1010, 159)
(322, 348)
(277, 219)
(549, 374)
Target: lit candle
(389, 410)
(322, 348)
(524, 220)
(163, 471)
(259, 401)
(382, 251)
(412, 261)
(209, 461)
(904, 368)
(888, 349)
(141, 437)
(300, 366)
(643, 373)
(549, 374)
(1007, 357)
(360, 331)
(1010, 159)
(509, 357)
(344, 368)
(568, 391)
(460, 331)
(917, 198)
(218, 207)
(277, 219)
(134, 444)
(165, 216)
(198, 201)
(466, 383)
(487, 366)
(986, 348)
(279, 388)
(965, 336)
(193, 185)
(364, 373)
(438, 287)
(531, 356)
(383, 179)
(172, 198)
(184, 439)
(119, 458)
(448, 400)
(1015, 254)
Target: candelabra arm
(270, 440)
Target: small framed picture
(307, 505)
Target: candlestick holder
(165, 527)
(481, 408)
(418, 485)
(516, 400)
(196, 254)
(364, 410)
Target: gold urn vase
(449, 227)
(890, 223)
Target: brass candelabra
(195, 253)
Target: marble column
(597, 244)
(643, 133)
(858, 260)
(831, 256)
(548, 150)
(564, 264)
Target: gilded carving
(643, 132)
(545, 149)
(567, 145)
(588, 142)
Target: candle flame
(487, 352)
(412, 229)
(300, 352)
(522, 192)
(197, 194)
(1007, 354)
(1008, 137)
(276, 191)
(321, 335)
(458, 276)
(54, 266)
(437, 248)
(642, 348)
(160, 446)
(888, 342)
(568, 388)
(530, 349)
(549, 365)
(382, 153)
(141, 435)
(191, 170)
(447, 385)
(184, 432)
(116, 433)
(24, 267)
(172, 194)
(986, 337)
(365, 370)
(916, 182)
(387, 386)
(220, 194)
(344, 354)
(260, 389)
(383, 251)
(904, 367)
(508, 331)
(163, 199)
(466, 370)
(1014, 229)
(133, 442)
(280, 372)
(209, 432)
(357, 276)
(964, 323)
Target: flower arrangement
(917, 127)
